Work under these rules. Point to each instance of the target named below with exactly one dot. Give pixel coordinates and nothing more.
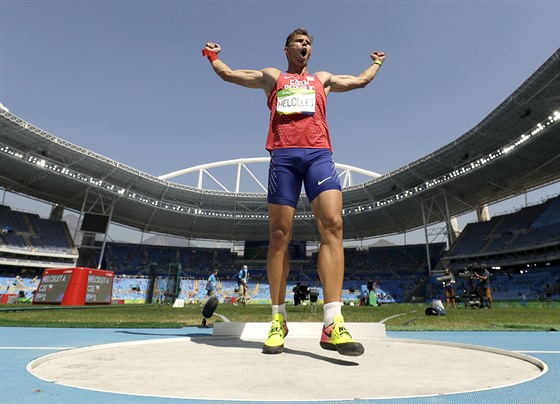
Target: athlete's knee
(332, 226)
(279, 238)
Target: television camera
(301, 293)
(471, 271)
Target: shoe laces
(341, 329)
(276, 328)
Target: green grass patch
(396, 317)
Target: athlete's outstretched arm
(263, 79)
(339, 83)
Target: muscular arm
(340, 83)
(264, 79)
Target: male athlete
(300, 149)
(242, 278)
(211, 286)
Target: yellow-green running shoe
(336, 337)
(278, 330)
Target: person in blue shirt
(211, 286)
(242, 277)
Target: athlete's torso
(297, 106)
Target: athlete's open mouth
(303, 52)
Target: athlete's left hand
(378, 55)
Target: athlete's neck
(297, 69)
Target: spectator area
(399, 272)
(529, 227)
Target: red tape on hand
(211, 55)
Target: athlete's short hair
(296, 32)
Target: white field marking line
(226, 320)
(396, 315)
(541, 352)
(34, 348)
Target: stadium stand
(27, 240)
(521, 237)
(519, 245)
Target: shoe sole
(272, 350)
(346, 349)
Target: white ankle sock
(331, 310)
(279, 308)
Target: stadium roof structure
(515, 149)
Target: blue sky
(126, 79)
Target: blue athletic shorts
(289, 168)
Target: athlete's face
(299, 50)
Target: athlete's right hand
(212, 47)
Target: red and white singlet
(298, 113)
